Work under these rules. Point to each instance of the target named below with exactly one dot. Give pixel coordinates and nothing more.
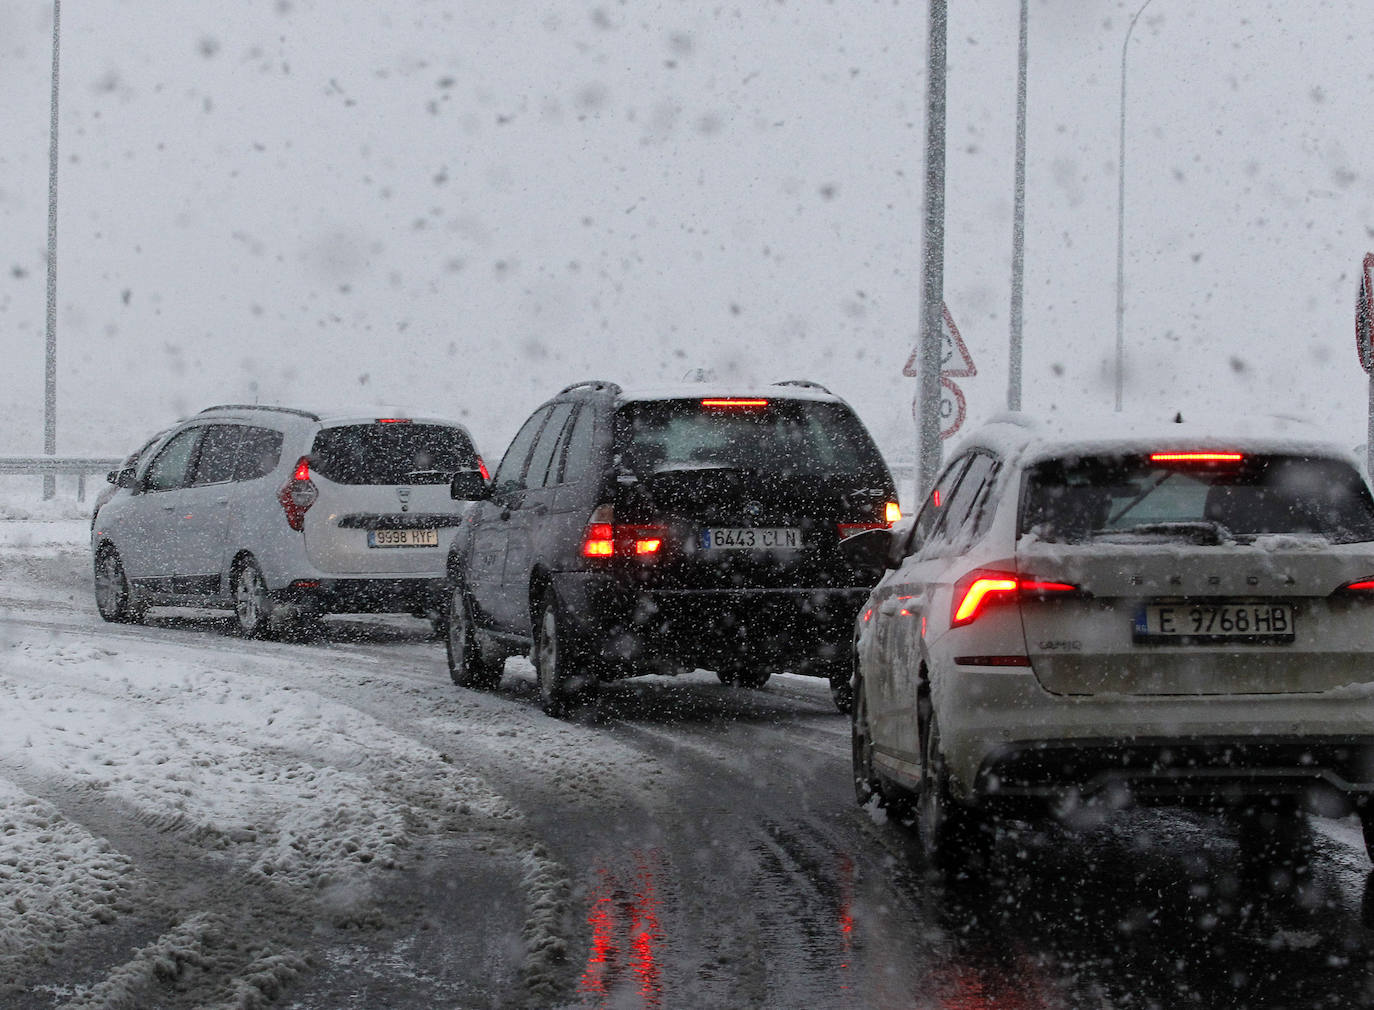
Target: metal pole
(50, 355)
(1121, 220)
(1018, 224)
(933, 254)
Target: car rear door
(1258, 605)
(384, 506)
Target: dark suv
(630, 533)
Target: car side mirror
(869, 552)
(468, 485)
(121, 478)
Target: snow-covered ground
(188, 819)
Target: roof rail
(261, 406)
(596, 384)
(804, 384)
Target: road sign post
(955, 363)
(1364, 338)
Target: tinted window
(960, 510)
(511, 471)
(1097, 496)
(793, 437)
(933, 510)
(172, 465)
(218, 453)
(259, 453)
(578, 458)
(546, 449)
(396, 453)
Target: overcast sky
(465, 205)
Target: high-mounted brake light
(1196, 457)
(298, 494)
(977, 591)
(393, 420)
(730, 401)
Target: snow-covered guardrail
(78, 466)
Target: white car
(279, 513)
(1175, 613)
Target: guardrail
(42, 466)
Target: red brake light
(977, 594)
(599, 541)
(1361, 586)
(482, 468)
(393, 420)
(607, 539)
(1196, 457)
(297, 495)
(935, 497)
(733, 402)
(977, 591)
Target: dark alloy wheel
(953, 837)
(252, 604)
(565, 675)
(466, 664)
(114, 597)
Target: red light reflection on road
(625, 932)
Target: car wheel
(867, 785)
(564, 677)
(466, 664)
(752, 677)
(1273, 834)
(252, 604)
(952, 836)
(114, 597)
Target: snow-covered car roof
(1086, 434)
(351, 414)
(711, 390)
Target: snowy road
(191, 820)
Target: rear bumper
(1007, 739)
(364, 596)
(799, 630)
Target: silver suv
(282, 513)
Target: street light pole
(1121, 219)
(50, 354)
(933, 255)
(1018, 224)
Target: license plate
(1212, 622)
(750, 538)
(403, 538)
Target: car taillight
(482, 469)
(890, 513)
(733, 403)
(297, 495)
(605, 538)
(1358, 586)
(977, 591)
(1196, 457)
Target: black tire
(253, 607)
(1273, 834)
(953, 837)
(565, 676)
(1367, 822)
(114, 596)
(466, 664)
(868, 784)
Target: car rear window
(392, 453)
(770, 436)
(1071, 500)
